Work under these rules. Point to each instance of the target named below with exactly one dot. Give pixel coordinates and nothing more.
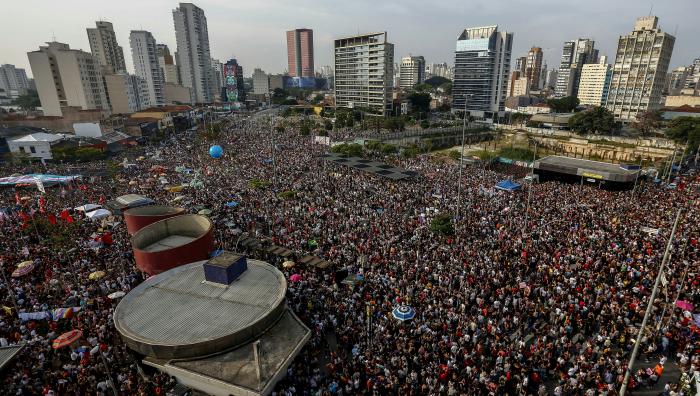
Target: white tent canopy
(98, 214)
(87, 207)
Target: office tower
(543, 76)
(552, 77)
(482, 66)
(144, 52)
(127, 93)
(193, 57)
(640, 69)
(520, 87)
(595, 83)
(412, 71)
(300, 53)
(520, 64)
(233, 82)
(167, 63)
(364, 70)
(676, 80)
(14, 81)
(533, 67)
(218, 69)
(575, 54)
(692, 80)
(103, 44)
(67, 77)
(261, 83)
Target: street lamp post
(529, 192)
(461, 165)
(623, 388)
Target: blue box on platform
(225, 268)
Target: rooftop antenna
(651, 8)
(53, 35)
(675, 31)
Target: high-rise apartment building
(639, 73)
(575, 54)
(103, 44)
(193, 57)
(692, 80)
(412, 71)
(594, 84)
(552, 77)
(167, 63)
(14, 81)
(439, 70)
(482, 67)
(144, 52)
(233, 82)
(218, 69)
(67, 77)
(127, 93)
(364, 70)
(521, 87)
(520, 64)
(300, 53)
(261, 82)
(533, 67)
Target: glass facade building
(482, 67)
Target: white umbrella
(87, 207)
(117, 294)
(98, 214)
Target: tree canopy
(28, 101)
(566, 104)
(597, 120)
(437, 81)
(420, 101)
(685, 130)
(647, 121)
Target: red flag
(102, 199)
(17, 200)
(52, 218)
(66, 216)
(42, 204)
(25, 217)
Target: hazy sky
(254, 30)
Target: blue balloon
(216, 151)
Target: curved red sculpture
(137, 218)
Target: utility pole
(461, 165)
(529, 192)
(623, 388)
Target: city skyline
(261, 27)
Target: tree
(597, 120)
(389, 149)
(442, 224)
(454, 154)
(394, 124)
(446, 88)
(28, 101)
(566, 104)
(519, 118)
(437, 81)
(420, 101)
(425, 124)
(685, 130)
(647, 121)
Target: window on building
(32, 149)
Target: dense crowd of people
(504, 305)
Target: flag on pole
(40, 185)
(42, 204)
(18, 201)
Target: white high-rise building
(218, 69)
(574, 55)
(144, 52)
(364, 72)
(193, 55)
(127, 93)
(594, 84)
(412, 71)
(103, 44)
(168, 65)
(67, 77)
(482, 68)
(639, 73)
(261, 82)
(13, 81)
